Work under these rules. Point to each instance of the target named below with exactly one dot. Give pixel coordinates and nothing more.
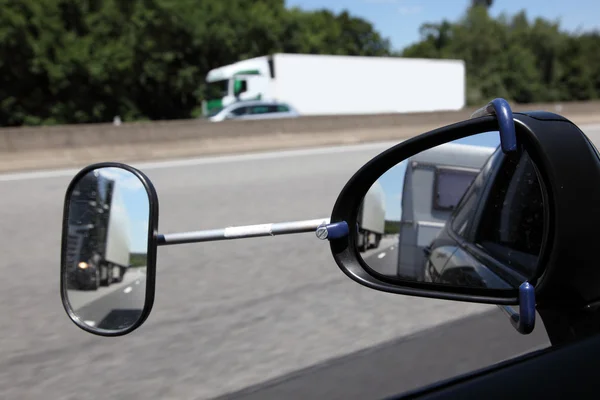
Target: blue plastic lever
(524, 320)
(503, 112)
(334, 230)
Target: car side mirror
(487, 210)
(467, 201)
(108, 257)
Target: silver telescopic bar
(241, 232)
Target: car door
(259, 111)
(239, 112)
(445, 245)
(447, 190)
(502, 240)
(268, 111)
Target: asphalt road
(80, 298)
(117, 309)
(383, 259)
(234, 314)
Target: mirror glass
(460, 214)
(106, 248)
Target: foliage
(512, 57)
(392, 227)
(138, 259)
(74, 61)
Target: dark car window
(260, 110)
(239, 111)
(512, 223)
(283, 108)
(464, 213)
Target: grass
(392, 227)
(138, 259)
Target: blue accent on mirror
(524, 320)
(501, 109)
(337, 230)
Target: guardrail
(106, 134)
(34, 148)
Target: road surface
(234, 314)
(80, 298)
(384, 259)
(118, 308)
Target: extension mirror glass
(461, 214)
(108, 253)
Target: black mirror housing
(559, 151)
(102, 223)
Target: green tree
(72, 61)
(513, 58)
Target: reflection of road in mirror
(115, 307)
(384, 258)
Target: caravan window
(450, 186)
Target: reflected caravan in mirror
(105, 250)
(450, 216)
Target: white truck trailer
(340, 85)
(118, 241)
(371, 218)
(98, 244)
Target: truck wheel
(120, 275)
(108, 276)
(362, 245)
(372, 241)
(377, 240)
(96, 282)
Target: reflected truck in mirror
(371, 218)
(434, 182)
(98, 251)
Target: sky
(137, 206)
(399, 20)
(392, 181)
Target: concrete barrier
(81, 144)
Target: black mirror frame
(344, 249)
(151, 256)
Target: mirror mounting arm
(242, 232)
(524, 320)
(501, 109)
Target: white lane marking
(90, 323)
(41, 174)
(392, 248)
(128, 289)
(381, 255)
(137, 282)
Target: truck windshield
(216, 90)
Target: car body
(251, 110)
(466, 252)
